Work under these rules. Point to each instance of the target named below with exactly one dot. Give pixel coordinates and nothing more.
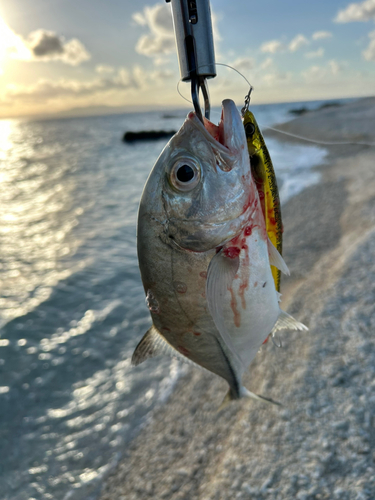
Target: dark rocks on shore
(147, 135)
(303, 110)
(298, 111)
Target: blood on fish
(183, 350)
(233, 305)
(248, 230)
(197, 334)
(166, 329)
(266, 340)
(245, 275)
(232, 252)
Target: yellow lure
(265, 180)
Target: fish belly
(251, 305)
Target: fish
(204, 254)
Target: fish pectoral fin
(220, 275)
(286, 321)
(276, 259)
(245, 393)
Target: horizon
(71, 113)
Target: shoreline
(318, 445)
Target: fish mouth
(229, 135)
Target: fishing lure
(265, 180)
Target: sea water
(72, 306)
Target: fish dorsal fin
(286, 321)
(154, 344)
(220, 275)
(276, 259)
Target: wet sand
(320, 444)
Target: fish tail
(245, 393)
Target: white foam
(293, 165)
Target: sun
(11, 44)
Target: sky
(89, 54)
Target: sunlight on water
(5, 144)
(34, 228)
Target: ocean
(72, 306)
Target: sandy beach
(320, 444)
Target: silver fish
(204, 253)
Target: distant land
(91, 111)
(103, 110)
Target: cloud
(103, 69)
(272, 46)
(298, 42)
(369, 53)
(155, 46)
(47, 90)
(276, 78)
(243, 63)
(315, 53)
(320, 35)
(160, 40)
(363, 11)
(49, 46)
(316, 73)
(335, 67)
(50, 91)
(267, 63)
(45, 43)
(41, 45)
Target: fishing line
(300, 137)
(218, 64)
(324, 143)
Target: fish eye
(185, 175)
(249, 129)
